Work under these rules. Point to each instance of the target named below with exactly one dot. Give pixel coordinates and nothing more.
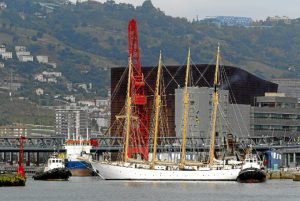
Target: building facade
(228, 21)
(242, 88)
(72, 121)
(291, 87)
(275, 115)
(231, 119)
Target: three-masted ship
(132, 169)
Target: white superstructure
(76, 149)
(54, 162)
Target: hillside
(85, 40)
(14, 110)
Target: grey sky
(256, 9)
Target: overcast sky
(256, 9)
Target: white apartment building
(71, 119)
(42, 59)
(22, 53)
(20, 48)
(3, 5)
(2, 49)
(39, 91)
(52, 74)
(25, 58)
(6, 55)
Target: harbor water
(95, 189)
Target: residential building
(87, 102)
(39, 91)
(277, 19)
(42, 59)
(228, 21)
(3, 5)
(46, 76)
(83, 86)
(71, 120)
(52, 64)
(2, 49)
(20, 48)
(81, 1)
(52, 79)
(52, 74)
(40, 77)
(70, 98)
(22, 53)
(6, 55)
(102, 102)
(25, 58)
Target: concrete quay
(283, 174)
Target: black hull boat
(55, 170)
(251, 175)
(60, 174)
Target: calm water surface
(95, 189)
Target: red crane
(21, 170)
(140, 129)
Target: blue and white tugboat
(252, 171)
(55, 170)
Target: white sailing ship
(131, 169)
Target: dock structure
(36, 149)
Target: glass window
(268, 104)
(291, 157)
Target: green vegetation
(88, 38)
(94, 35)
(9, 179)
(14, 110)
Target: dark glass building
(243, 87)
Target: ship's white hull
(119, 172)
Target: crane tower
(140, 127)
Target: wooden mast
(215, 101)
(185, 109)
(128, 111)
(157, 110)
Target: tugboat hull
(53, 174)
(251, 175)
